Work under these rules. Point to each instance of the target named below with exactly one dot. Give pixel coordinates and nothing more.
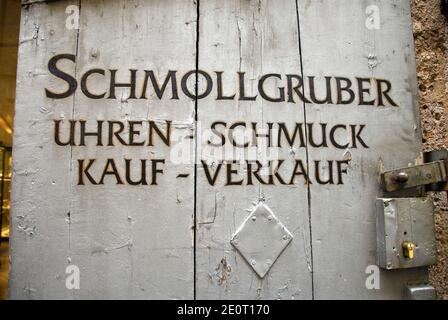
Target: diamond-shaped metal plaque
(261, 239)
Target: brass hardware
(408, 249)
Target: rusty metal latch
(405, 225)
(433, 174)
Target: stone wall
(431, 41)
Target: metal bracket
(420, 292)
(405, 225)
(261, 239)
(433, 174)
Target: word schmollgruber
(173, 84)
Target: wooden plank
(256, 38)
(128, 241)
(136, 241)
(337, 41)
(40, 198)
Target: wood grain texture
(256, 38)
(39, 244)
(131, 242)
(138, 241)
(128, 241)
(335, 41)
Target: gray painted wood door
(265, 184)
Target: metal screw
(402, 177)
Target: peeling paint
(28, 230)
(372, 61)
(222, 272)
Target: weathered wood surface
(40, 194)
(335, 41)
(129, 242)
(138, 242)
(256, 38)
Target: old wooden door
(208, 149)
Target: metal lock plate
(405, 233)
